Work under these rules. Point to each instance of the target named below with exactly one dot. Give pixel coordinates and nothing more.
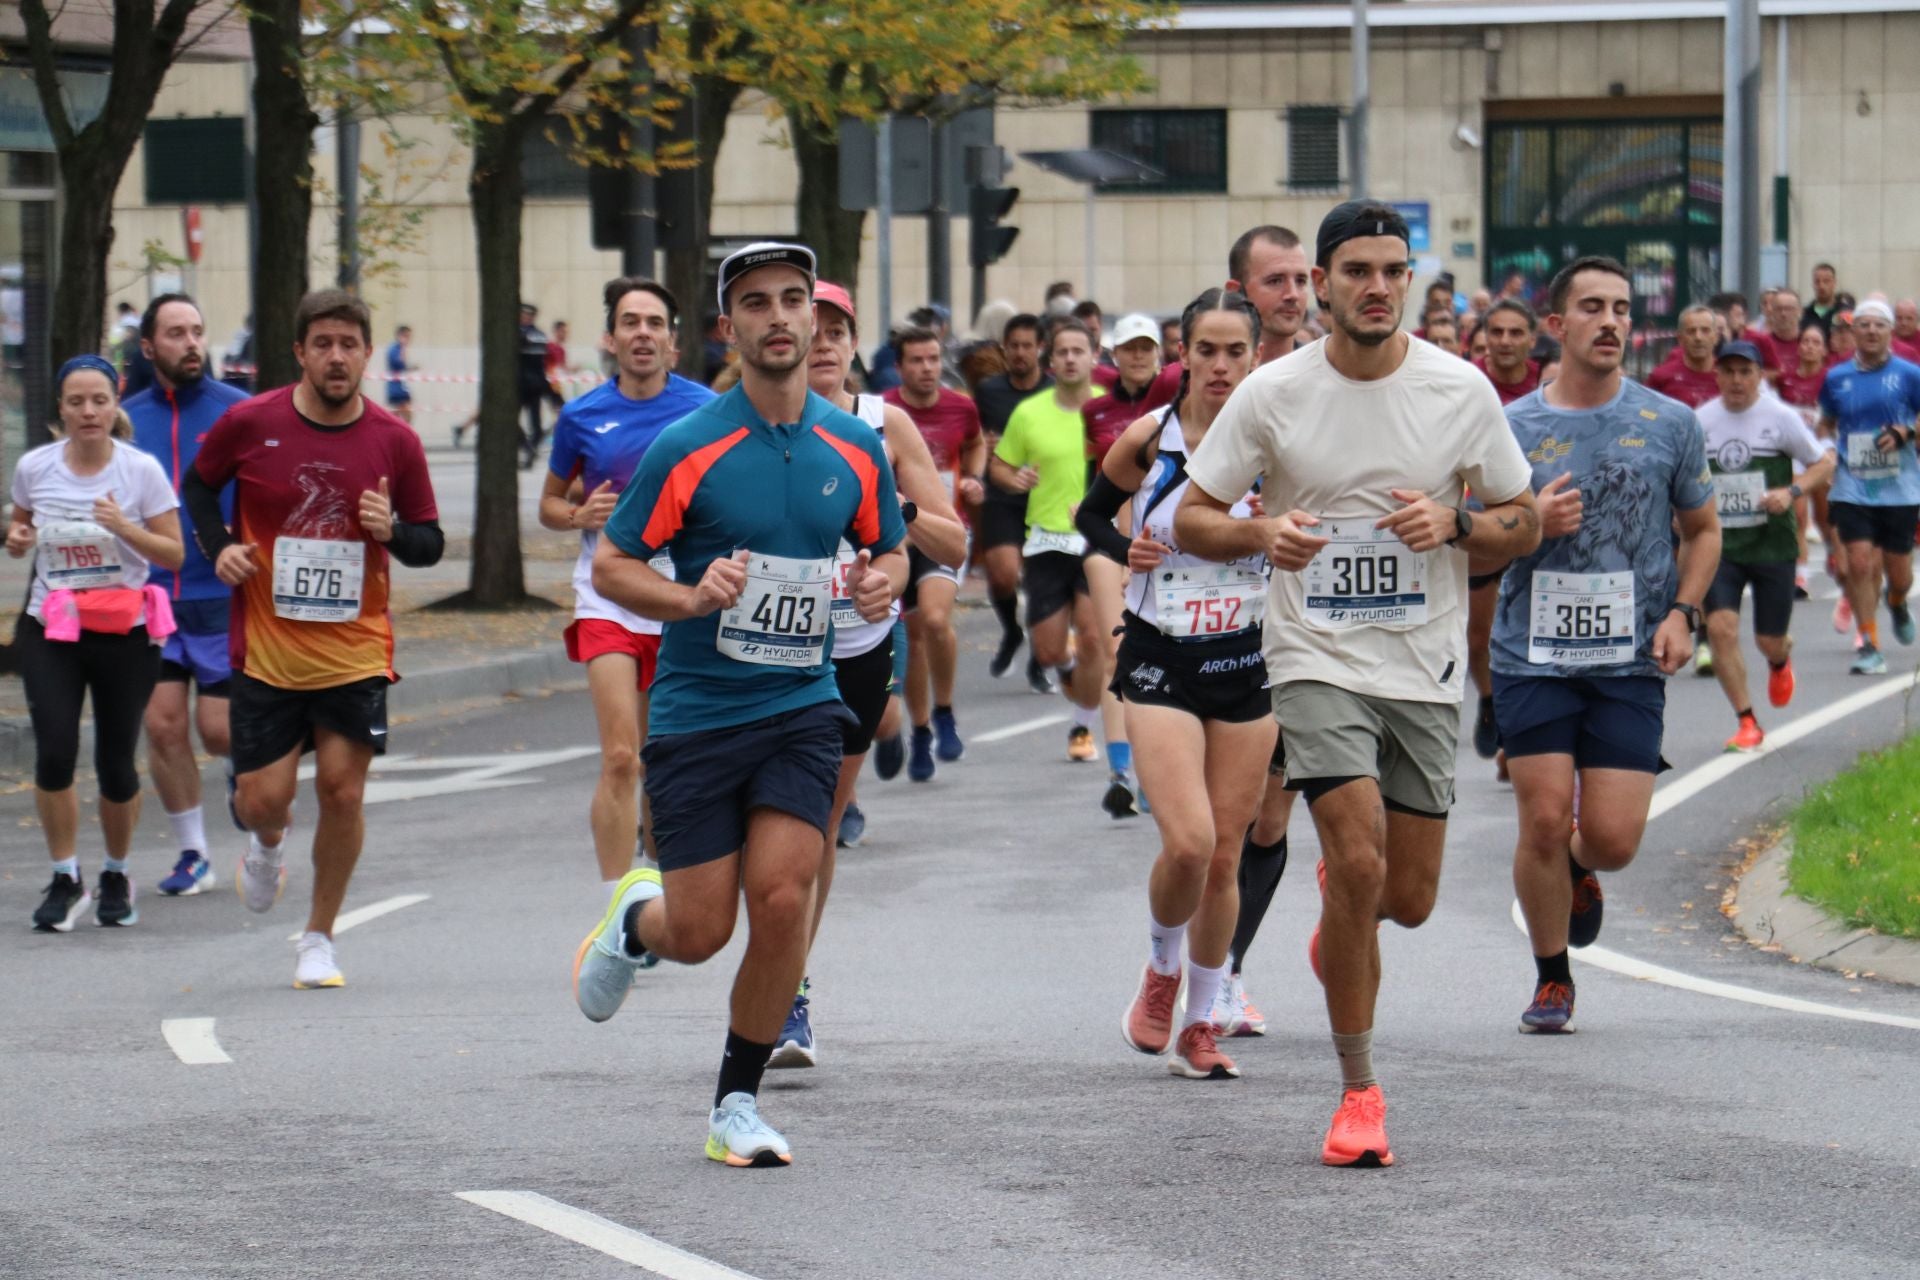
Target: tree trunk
(832, 232)
(711, 100)
(497, 577)
(87, 183)
(283, 187)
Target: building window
(197, 161)
(548, 168)
(1189, 147)
(1313, 148)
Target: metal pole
(940, 223)
(1782, 188)
(1086, 287)
(1357, 120)
(637, 253)
(1740, 196)
(883, 192)
(347, 177)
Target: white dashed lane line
(596, 1232)
(372, 911)
(193, 1042)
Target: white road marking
(1015, 730)
(464, 773)
(1603, 958)
(193, 1042)
(596, 1232)
(372, 911)
(1691, 784)
(1698, 779)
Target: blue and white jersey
(1863, 404)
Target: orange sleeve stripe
(866, 524)
(677, 493)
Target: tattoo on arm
(1508, 525)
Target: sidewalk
(1774, 920)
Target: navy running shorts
(1606, 722)
(702, 785)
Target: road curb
(1773, 919)
(418, 693)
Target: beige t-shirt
(1368, 615)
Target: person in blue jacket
(170, 419)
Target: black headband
(1351, 221)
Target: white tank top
(1153, 507)
(852, 634)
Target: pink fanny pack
(113, 611)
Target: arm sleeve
(1692, 479)
(202, 501)
(1231, 455)
(418, 546)
(1094, 519)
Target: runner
(1800, 387)
(950, 425)
(1687, 375)
(1135, 391)
(1592, 621)
(1191, 676)
(1869, 404)
(598, 441)
(328, 485)
(1002, 526)
(1753, 442)
(864, 661)
(1365, 442)
(1044, 455)
(751, 495)
(1511, 329)
(1778, 338)
(399, 395)
(95, 513)
(170, 418)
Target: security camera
(1467, 137)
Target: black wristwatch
(909, 511)
(1795, 491)
(1692, 614)
(1462, 524)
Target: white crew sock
(271, 852)
(1203, 988)
(1085, 717)
(1164, 946)
(189, 830)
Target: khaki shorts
(1407, 747)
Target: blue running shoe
(602, 969)
(736, 1135)
(853, 827)
(794, 1048)
(1551, 1010)
(192, 874)
(947, 735)
(920, 767)
(1868, 662)
(888, 755)
(1902, 623)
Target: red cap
(834, 296)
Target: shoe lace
(1553, 995)
(1198, 1039)
(312, 944)
(1584, 893)
(1159, 997)
(1363, 1107)
(185, 864)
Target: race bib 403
(781, 617)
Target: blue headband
(95, 363)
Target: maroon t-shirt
(1906, 348)
(1689, 386)
(1511, 391)
(1107, 417)
(1776, 354)
(1802, 392)
(947, 424)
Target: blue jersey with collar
(602, 435)
(722, 480)
(1636, 460)
(1863, 403)
(170, 424)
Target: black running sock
(1744, 713)
(942, 711)
(630, 930)
(1007, 609)
(1554, 968)
(1261, 866)
(741, 1066)
(1776, 666)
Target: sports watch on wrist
(1691, 612)
(1462, 524)
(909, 511)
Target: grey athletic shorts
(1407, 747)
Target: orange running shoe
(1080, 748)
(1843, 612)
(1148, 1023)
(1748, 736)
(1780, 684)
(1197, 1057)
(1357, 1138)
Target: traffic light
(988, 241)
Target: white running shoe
(736, 1135)
(263, 874)
(316, 967)
(1246, 1016)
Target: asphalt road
(975, 1113)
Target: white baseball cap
(1135, 327)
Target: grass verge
(1856, 843)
